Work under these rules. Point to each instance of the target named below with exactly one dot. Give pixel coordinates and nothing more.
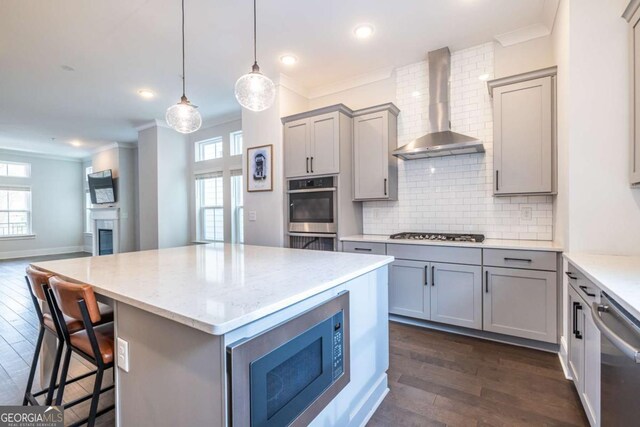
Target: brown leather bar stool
(95, 343)
(38, 285)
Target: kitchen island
(181, 309)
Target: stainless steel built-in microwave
(288, 374)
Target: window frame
(199, 147)
(28, 211)
(232, 142)
(7, 163)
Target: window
(235, 143)
(87, 212)
(210, 207)
(15, 211)
(14, 169)
(237, 213)
(209, 149)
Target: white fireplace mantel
(105, 219)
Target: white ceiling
(117, 47)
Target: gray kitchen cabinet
(312, 141)
(576, 309)
(524, 157)
(409, 289)
(520, 303)
(632, 15)
(456, 294)
(296, 136)
(375, 169)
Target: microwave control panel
(338, 345)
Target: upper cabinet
(524, 133)
(312, 141)
(632, 15)
(375, 169)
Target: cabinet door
(635, 137)
(523, 137)
(324, 153)
(576, 318)
(409, 289)
(591, 375)
(296, 147)
(456, 294)
(521, 303)
(371, 151)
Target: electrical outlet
(253, 216)
(123, 355)
(526, 213)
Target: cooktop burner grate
(440, 237)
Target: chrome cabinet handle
(626, 348)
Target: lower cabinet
(584, 353)
(446, 293)
(409, 293)
(521, 303)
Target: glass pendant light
(183, 116)
(255, 91)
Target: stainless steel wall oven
(288, 374)
(312, 213)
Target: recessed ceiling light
(363, 31)
(76, 143)
(484, 77)
(145, 93)
(288, 59)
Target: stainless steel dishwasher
(619, 362)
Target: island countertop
(216, 287)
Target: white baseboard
(370, 402)
(40, 252)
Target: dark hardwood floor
(439, 379)
(436, 378)
(18, 334)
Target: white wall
(56, 205)
(148, 188)
(522, 57)
(604, 212)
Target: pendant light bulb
(183, 116)
(255, 91)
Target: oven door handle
(312, 190)
(328, 235)
(630, 351)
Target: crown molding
(522, 35)
(26, 153)
(350, 83)
(291, 84)
(111, 146)
(151, 124)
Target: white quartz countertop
(530, 245)
(618, 276)
(217, 287)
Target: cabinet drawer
(447, 254)
(364, 248)
(584, 287)
(530, 260)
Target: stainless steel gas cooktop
(440, 237)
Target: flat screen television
(101, 187)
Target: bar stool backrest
(69, 294)
(38, 279)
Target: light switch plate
(123, 354)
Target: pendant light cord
(183, 77)
(255, 38)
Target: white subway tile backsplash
(454, 194)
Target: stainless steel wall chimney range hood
(440, 141)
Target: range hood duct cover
(441, 141)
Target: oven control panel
(302, 184)
(338, 345)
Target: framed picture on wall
(260, 168)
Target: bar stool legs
(28, 396)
